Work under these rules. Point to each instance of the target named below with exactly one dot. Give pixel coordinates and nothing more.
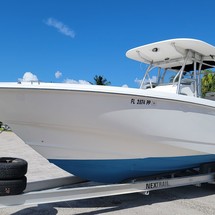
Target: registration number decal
(142, 102)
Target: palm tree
(208, 82)
(100, 80)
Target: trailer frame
(73, 188)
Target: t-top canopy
(171, 53)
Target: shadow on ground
(116, 203)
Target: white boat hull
(110, 135)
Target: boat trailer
(74, 188)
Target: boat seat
(187, 89)
(187, 81)
(210, 96)
(148, 85)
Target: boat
(111, 134)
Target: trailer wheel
(206, 168)
(12, 168)
(12, 187)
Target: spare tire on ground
(12, 187)
(12, 168)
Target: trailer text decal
(159, 184)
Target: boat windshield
(186, 78)
(156, 76)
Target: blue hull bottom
(114, 171)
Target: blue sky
(79, 39)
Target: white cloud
(138, 81)
(61, 27)
(71, 81)
(28, 77)
(125, 85)
(58, 74)
(84, 82)
(154, 79)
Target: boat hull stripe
(117, 170)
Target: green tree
(100, 80)
(208, 82)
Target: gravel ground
(184, 200)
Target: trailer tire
(206, 168)
(12, 187)
(12, 168)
